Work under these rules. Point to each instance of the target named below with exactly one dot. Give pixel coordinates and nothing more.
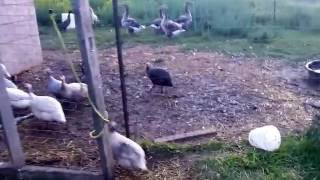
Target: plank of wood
(90, 61)
(10, 127)
(188, 135)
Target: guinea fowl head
(29, 87)
(5, 71)
(148, 67)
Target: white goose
(94, 17)
(8, 83)
(73, 91)
(45, 107)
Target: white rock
(267, 138)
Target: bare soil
(212, 90)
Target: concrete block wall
(20, 47)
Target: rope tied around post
(103, 118)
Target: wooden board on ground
(185, 136)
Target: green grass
(297, 158)
(286, 44)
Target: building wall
(20, 47)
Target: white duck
(8, 83)
(73, 91)
(18, 98)
(45, 107)
(127, 153)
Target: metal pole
(121, 68)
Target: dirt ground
(212, 90)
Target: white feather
(132, 157)
(9, 84)
(18, 98)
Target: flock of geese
(162, 24)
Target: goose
(63, 25)
(127, 153)
(94, 17)
(185, 19)
(73, 91)
(54, 85)
(158, 77)
(130, 23)
(169, 27)
(7, 82)
(45, 108)
(18, 98)
(156, 23)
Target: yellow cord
(63, 45)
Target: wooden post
(10, 128)
(121, 67)
(91, 66)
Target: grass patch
(297, 158)
(284, 44)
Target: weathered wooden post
(90, 61)
(10, 128)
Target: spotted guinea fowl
(53, 85)
(127, 153)
(186, 18)
(170, 27)
(45, 107)
(18, 98)
(73, 91)
(156, 23)
(8, 83)
(130, 23)
(158, 77)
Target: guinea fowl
(169, 27)
(127, 153)
(18, 98)
(8, 83)
(130, 23)
(158, 77)
(45, 107)
(186, 19)
(54, 85)
(73, 91)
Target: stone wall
(20, 47)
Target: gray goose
(169, 27)
(130, 23)
(156, 23)
(186, 19)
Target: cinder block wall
(20, 47)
